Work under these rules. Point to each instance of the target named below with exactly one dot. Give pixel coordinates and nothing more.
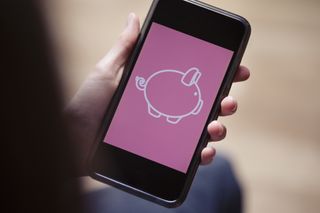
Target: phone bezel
(235, 35)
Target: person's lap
(215, 189)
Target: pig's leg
(153, 113)
(173, 120)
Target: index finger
(242, 74)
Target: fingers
(217, 132)
(228, 106)
(242, 74)
(207, 155)
(117, 56)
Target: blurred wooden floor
(274, 139)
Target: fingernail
(233, 101)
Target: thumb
(111, 63)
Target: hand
(87, 108)
(217, 130)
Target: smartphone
(182, 66)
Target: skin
(87, 108)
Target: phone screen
(169, 95)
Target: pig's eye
(195, 93)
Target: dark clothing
(38, 169)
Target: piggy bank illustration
(172, 94)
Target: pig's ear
(191, 77)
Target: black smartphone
(182, 66)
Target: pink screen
(168, 97)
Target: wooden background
(274, 139)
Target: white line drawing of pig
(164, 90)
